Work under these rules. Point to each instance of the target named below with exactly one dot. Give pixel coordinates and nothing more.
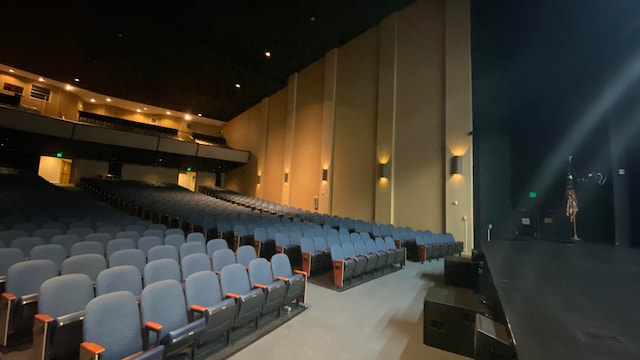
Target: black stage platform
(568, 301)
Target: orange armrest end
(261, 286)
(43, 318)
(300, 272)
(153, 325)
(92, 347)
(232, 295)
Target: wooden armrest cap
(153, 325)
(8, 296)
(43, 318)
(300, 272)
(232, 295)
(282, 278)
(198, 308)
(92, 347)
(261, 286)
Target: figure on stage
(572, 200)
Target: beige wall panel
(459, 188)
(386, 114)
(49, 169)
(88, 168)
(273, 167)
(354, 179)
(418, 156)
(205, 179)
(149, 173)
(246, 132)
(306, 171)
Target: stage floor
(568, 301)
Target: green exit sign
(532, 195)
(189, 169)
(59, 154)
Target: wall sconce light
(456, 165)
(383, 171)
(286, 177)
(258, 180)
(325, 174)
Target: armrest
(261, 286)
(300, 272)
(218, 272)
(43, 318)
(89, 350)
(282, 278)
(154, 326)
(150, 326)
(8, 296)
(232, 295)
(196, 309)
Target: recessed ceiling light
(68, 87)
(76, 80)
(187, 117)
(138, 110)
(92, 100)
(108, 99)
(168, 112)
(10, 70)
(199, 114)
(267, 54)
(238, 86)
(41, 79)
(145, 109)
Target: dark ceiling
(185, 55)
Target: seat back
(133, 235)
(245, 254)
(119, 278)
(202, 288)
(25, 244)
(216, 244)
(282, 239)
(135, 227)
(53, 252)
(162, 269)
(133, 257)
(260, 234)
(355, 237)
(260, 272)
(196, 237)
(163, 302)
(320, 243)
(7, 236)
(148, 241)
(65, 294)
(175, 240)
(189, 248)
(101, 237)
(8, 257)
(87, 247)
(113, 321)
(109, 229)
(174, 231)
(307, 245)
(222, 258)
(194, 263)
(80, 232)
(25, 277)
(47, 234)
(66, 240)
(163, 252)
(234, 279)
(153, 232)
(161, 227)
(344, 238)
(119, 244)
(88, 264)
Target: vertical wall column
(458, 122)
(328, 117)
(263, 152)
(386, 117)
(292, 91)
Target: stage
(568, 301)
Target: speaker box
(461, 272)
(492, 340)
(449, 319)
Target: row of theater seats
(177, 315)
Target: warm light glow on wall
(108, 99)
(92, 100)
(67, 87)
